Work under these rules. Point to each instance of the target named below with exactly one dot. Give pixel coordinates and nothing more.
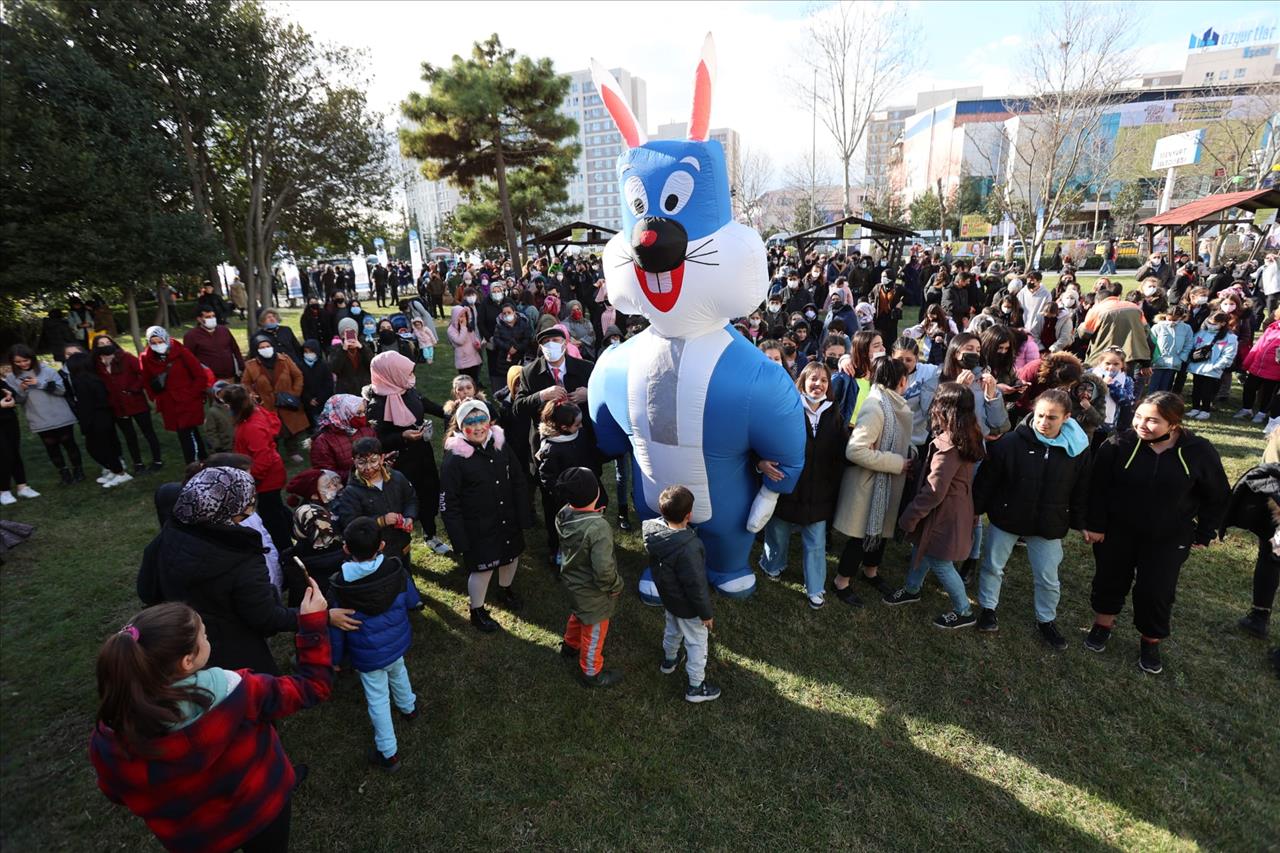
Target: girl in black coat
(484, 503)
(1033, 485)
(563, 446)
(317, 379)
(92, 405)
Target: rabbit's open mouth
(662, 289)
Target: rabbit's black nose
(659, 243)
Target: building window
(1239, 73)
(1222, 75)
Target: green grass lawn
(838, 729)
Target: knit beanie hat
(578, 486)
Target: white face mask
(495, 295)
(310, 358)
(266, 352)
(792, 283)
(159, 349)
(210, 323)
(775, 307)
(1210, 327)
(466, 278)
(1149, 290)
(754, 321)
(1201, 300)
(509, 319)
(1228, 307)
(553, 350)
(471, 300)
(810, 314)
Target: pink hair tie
(131, 631)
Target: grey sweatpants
(694, 634)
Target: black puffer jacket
(220, 571)
(814, 497)
(1253, 499)
(1030, 488)
(679, 567)
(518, 335)
(484, 501)
(357, 500)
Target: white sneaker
(106, 477)
(1203, 416)
(123, 478)
(1241, 415)
(816, 601)
(1271, 426)
(1260, 418)
(435, 544)
(25, 491)
(1193, 414)
(6, 499)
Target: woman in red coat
(341, 423)
(177, 382)
(256, 431)
(121, 372)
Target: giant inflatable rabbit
(693, 400)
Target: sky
(758, 44)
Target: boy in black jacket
(376, 490)
(680, 574)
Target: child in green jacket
(589, 573)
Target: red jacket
(256, 438)
(125, 385)
(181, 403)
(331, 449)
(215, 784)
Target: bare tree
(751, 185)
(1073, 72)
(807, 188)
(853, 62)
(1235, 129)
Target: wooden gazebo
(558, 240)
(1210, 211)
(890, 238)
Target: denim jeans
(694, 634)
(392, 679)
(976, 550)
(777, 536)
(1044, 555)
(1161, 379)
(1108, 267)
(945, 572)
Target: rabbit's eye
(676, 192)
(637, 201)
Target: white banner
(380, 248)
(415, 255)
(292, 279)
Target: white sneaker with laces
(6, 498)
(1260, 418)
(1241, 414)
(1192, 414)
(122, 478)
(106, 477)
(25, 491)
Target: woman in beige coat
(871, 490)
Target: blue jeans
(1161, 380)
(1044, 555)
(1108, 267)
(945, 572)
(813, 537)
(976, 551)
(392, 679)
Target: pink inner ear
(621, 117)
(701, 120)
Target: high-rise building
(885, 128)
(594, 188)
(726, 136)
(425, 202)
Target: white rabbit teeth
(658, 282)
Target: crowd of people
(965, 408)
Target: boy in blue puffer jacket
(1173, 338)
(381, 592)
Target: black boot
(1255, 622)
(78, 475)
(65, 473)
(507, 598)
(482, 621)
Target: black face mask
(387, 336)
(832, 362)
(1155, 440)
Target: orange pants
(589, 642)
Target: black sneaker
(877, 583)
(411, 716)
(507, 597)
(1097, 639)
(481, 619)
(624, 524)
(377, 759)
(568, 651)
(1050, 634)
(1255, 622)
(1149, 658)
(65, 474)
(669, 665)
(848, 596)
(901, 596)
(157, 465)
(987, 622)
(704, 692)
(952, 620)
(78, 475)
(140, 469)
(604, 678)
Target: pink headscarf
(392, 375)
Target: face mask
(355, 309)
(405, 334)
(1228, 307)
(775, 307)
(270, 326)
(339, 304)
(812, 399)
(754, 321)
(810, 315)
(1156, 440)
(792, 283)
(310, 358)
(832, 362)
(836, 305)
(509, 319)
(368, 331)
(159, 349)
(1068, 302)
(1149, 290)
(466, 279)
(575, 314)
(359, 421)
(387, 336)
(554, 351)
(1212, 327)
(471, 300)
(613, 342)
(210, 323)
(496, 295)
(1201, 300)
(266, 352)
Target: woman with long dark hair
(39, 389)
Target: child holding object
(589, 574)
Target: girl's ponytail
(137, 667)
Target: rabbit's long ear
(704, 78)
(614, 101)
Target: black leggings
(276, 519)
(12, 469)
(274, 838)
(550, 506)
(1203, 390)
(104, 447)
(1258, 390)
(1149, 568)
(143, 420)
(855, 555)
(1266, 576)
(55, 440)
(192, 444)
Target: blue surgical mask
(355, 309)
(270, 326)
(310, 358)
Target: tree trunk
(135, 328)
(508, 224)
(161, 313)
(848, 204)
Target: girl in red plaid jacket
(191, 750)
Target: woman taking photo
(1157, 493)
(256, 430)
(276, 382)
(121, 372)
(177, 382)
(485, 506)
(809, 506)
(939, 519)
(871, 489)
(1033, 486)
(963, 365)
(39, 390)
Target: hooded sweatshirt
(679, 567)
(382, 594)
(590, 572)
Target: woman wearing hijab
(177, 382)
(205, 558)
(318, 547)
(397, 414)
(342, 421)
(277, 382)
